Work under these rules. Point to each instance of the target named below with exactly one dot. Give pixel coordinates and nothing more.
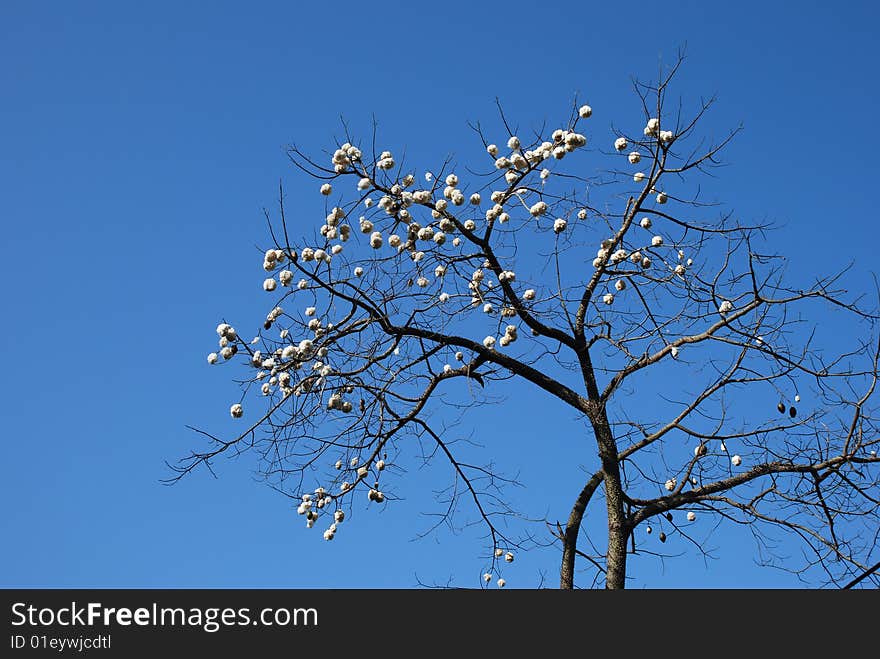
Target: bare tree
(643, 292)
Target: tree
(419, 296)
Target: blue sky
(140, 144)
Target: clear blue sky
(139, 144)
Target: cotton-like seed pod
(326, 189)
(487, 577)
(661, 197)
(538, 209)
(670, 485)
(489, 341)
(529, 294)
(585, 112)
(736, 460)
(726, 307)
(501, 583)
(620, 284)
(236, 411)
(269, 285)
(691, 516)
(559, 225)
(638, 177)
(657, 241)
(508, 557)
(492, 150)
(620, 143)
(645, 223)
(634, 157)
(452, 180)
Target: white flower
(212, 358)
(726, 307)
(661, 197)
(608, 298)
(736, 460)
(585, 111)
(645, 223)
(285, 277)
(620, 143)
(236, 411)
(691, 516)
(638, 177)
(634, 157)
(508, 557)
(326, 189)
(559, 225)
(501, 583)
(538, 209)
(529, 294)
(269, 285)
(489, 341)
(670, 485)
(657, 241)
(492, 150)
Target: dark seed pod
(267, 324)
(781, 408)
(792, 412)
(662, 537)
(669, 516)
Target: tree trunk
(618, 526)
